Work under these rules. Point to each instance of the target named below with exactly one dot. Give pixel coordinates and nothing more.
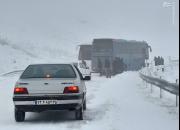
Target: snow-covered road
(120, 103)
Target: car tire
(79, 114)
(85, 105)
(19, 115)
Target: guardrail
(172, 88)
(13, 73)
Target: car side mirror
(87, 78)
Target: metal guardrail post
(146, 84)
(160, 89)
(151, 88)
(161, 93)
(172, 88)
(177, 101)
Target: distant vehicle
(123, 55)
(44, 87)
(84, 69)
(133, 53)
(84, 60)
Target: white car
(85, 69)
(44, 87)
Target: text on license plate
(46, 102)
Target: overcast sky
(70, 22)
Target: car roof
(53, 64)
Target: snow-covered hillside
(51, 30)
(63, 24)
(13, 58)
(17, 56)
(120, 103)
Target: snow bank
(125, 108)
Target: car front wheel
(19, 115)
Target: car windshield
(49, 71)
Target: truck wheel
(79, 114)
(19, 115)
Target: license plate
(46, 102)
